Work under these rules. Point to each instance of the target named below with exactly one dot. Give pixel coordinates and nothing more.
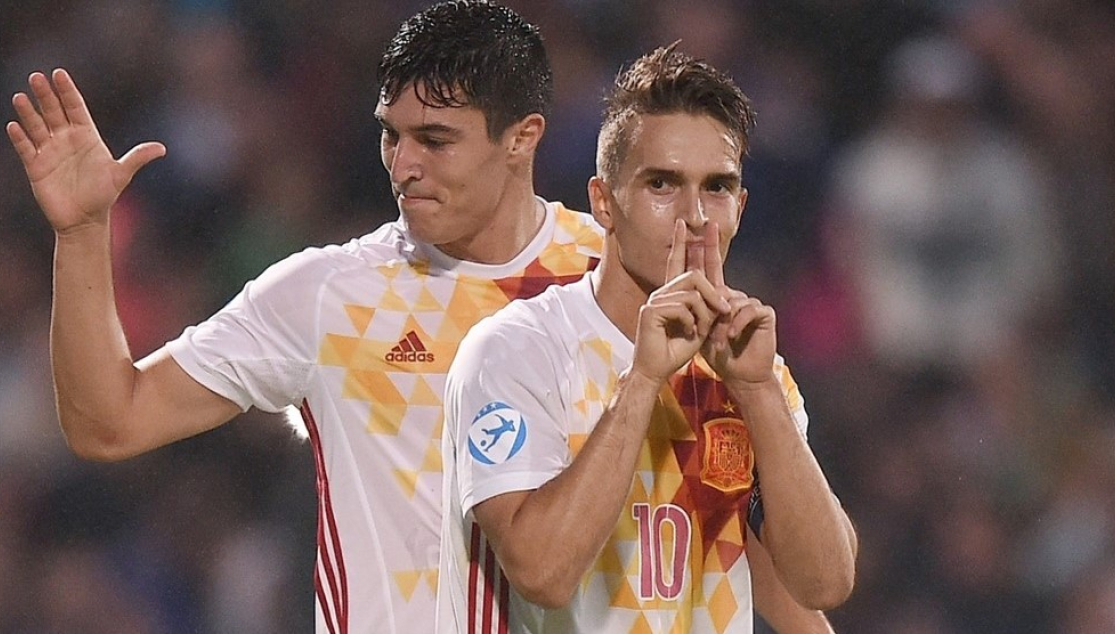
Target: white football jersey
(522, 397)
(359, 337)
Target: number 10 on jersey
(664, 534)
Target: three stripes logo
(410, 349)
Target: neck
(516, 220)
(617, 293)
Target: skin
(455, 186)
(106, 404)
(674, 205)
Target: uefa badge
(497, 433)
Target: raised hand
(742, 340)
(677, 318)
(72, 173)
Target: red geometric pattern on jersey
(703, 399)
(489, 591)
(537, 278)
(330, 581)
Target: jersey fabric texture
(359, 337)
(525, 391)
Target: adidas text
(412, 356)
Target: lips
(412, 202)
(413, 197)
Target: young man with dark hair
(605, 440)
(358, 336)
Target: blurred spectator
(1056, 63)
(943, 216)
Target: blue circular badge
(497, 433)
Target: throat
(619, 295)
(503, 239)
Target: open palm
(73, 175)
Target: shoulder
(577, 228)
(522, 322)
(541, 316)
(524, 330)
(315, 267)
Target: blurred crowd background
(932, 211)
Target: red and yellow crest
(729, 461)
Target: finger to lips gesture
(703, 256)
(677, 318)
(72, 173)
(742, 341)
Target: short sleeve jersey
(522, 396)
(359, 337)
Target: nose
(403, 162)
(693, 211)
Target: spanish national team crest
(729, 461)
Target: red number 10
(654, 559)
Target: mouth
(412, 198)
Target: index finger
(714, 264)
(675, 262)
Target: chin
(431, 233)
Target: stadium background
(932, 208)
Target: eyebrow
(657, 172)
(668, 174)
(733, 178)
(426, 128)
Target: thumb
(140, 156)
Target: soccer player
(606, 440)
(358, 336)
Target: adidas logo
(410, 349)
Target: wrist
(745, 390)
(634, 378)
(82, 232)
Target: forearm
(93, 372)
(573, 514)
(807, 533)
(773, 602)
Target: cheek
(474, 172)
(726, 215)
(651, 218)
(660, 209)
(647, 211)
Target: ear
(522, 138)
(602, 203)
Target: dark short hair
(474, 53)
(667, 81)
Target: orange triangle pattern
(360, 316)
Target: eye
(434, 144)
(722, 187)
(389, 136)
